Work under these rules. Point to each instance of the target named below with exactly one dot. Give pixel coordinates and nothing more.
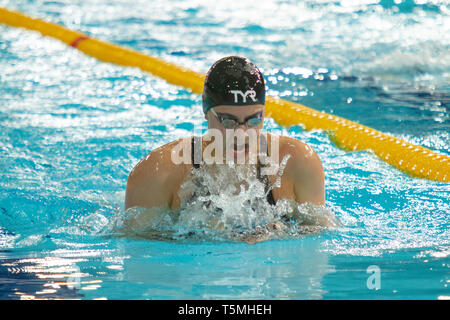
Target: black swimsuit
(196, 143)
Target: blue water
(72, 128)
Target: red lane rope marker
(78, 40)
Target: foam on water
(216, 205)
(426, 63)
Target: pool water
(72, 128)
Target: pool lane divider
(414, 160)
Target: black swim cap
(233, 81)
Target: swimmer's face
(219, 118)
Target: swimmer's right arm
(149, 183)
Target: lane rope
(414, 160)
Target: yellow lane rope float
(412, 159)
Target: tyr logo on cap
(250, 93)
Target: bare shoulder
(304, 168)
(153, 179)
(156, 164)
(300, 153)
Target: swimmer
(233, 102)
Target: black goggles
(230, 122)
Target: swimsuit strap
(196, 151)
(264, 179)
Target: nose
(241, 135)
(241, 130)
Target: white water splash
(227, 202)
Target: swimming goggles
(230, 122)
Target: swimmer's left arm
(306, 172)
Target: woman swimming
(233, 104)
